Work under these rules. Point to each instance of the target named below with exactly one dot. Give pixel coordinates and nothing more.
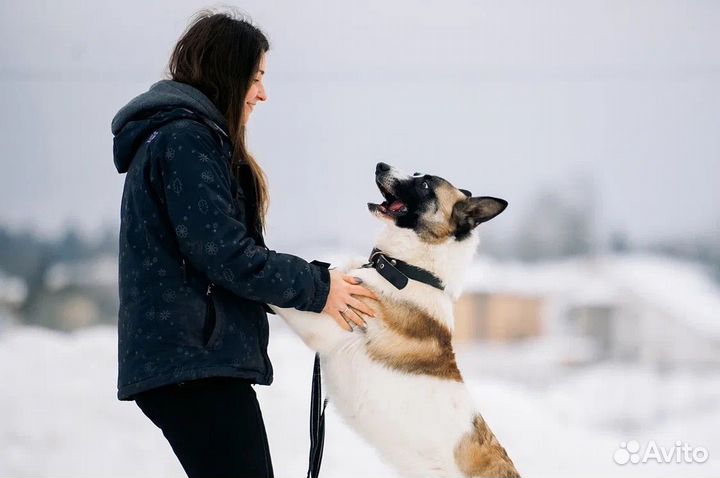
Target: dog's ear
(470, 212)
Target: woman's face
(256, 92)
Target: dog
(396, 382)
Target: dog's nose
(382, 168)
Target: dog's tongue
(397, 206)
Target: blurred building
(498, 317)
(12, 294)
(76, 294)
(654, 310)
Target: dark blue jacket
(194, 273)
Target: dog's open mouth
(392, 205)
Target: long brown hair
(219, 54)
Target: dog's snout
(382, 168)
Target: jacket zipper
(210, 318)
(184, 271)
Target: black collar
(398, 272)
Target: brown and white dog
(397, 382)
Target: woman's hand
(342, 306)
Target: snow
(60, 416)
(575, 275)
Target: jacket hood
(165, 101)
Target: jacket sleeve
(211, 231)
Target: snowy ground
(59, 415)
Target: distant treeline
(561, 224)
(555, 230)
(26, 255)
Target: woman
(195, 275)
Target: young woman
(195, 275)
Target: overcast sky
(504, 98)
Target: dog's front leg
(353, 263)
(318, 331)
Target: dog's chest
(411, 419)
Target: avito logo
(630, 452)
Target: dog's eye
(425, 185)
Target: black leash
(399, 272)
(317, 413)
(317, 422)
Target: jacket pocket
(213, 323)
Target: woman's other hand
(342, 306)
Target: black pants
(214, 426)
